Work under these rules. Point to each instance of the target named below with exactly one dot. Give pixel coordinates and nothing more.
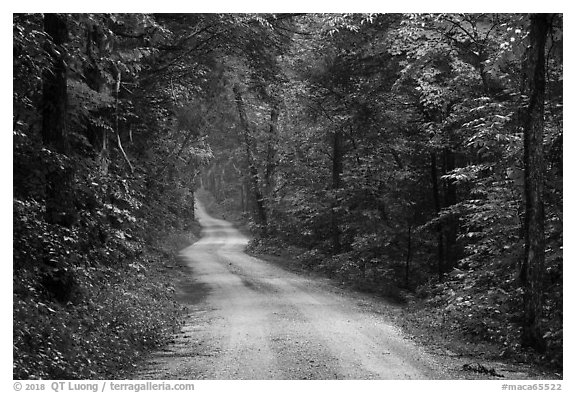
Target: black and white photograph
(259, 196)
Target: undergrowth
(94, 281)
(477, 313)
(119, 315)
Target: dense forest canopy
(408, 153)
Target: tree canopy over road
(415, 155)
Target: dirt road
(257, 321)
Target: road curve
(258, 321)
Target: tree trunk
(252, 169)
(241, 192)
(59, 208)
(437, 207)
(533, 264)
(97, 136)
(337, 168)
(408, 257)
(193, 206)
(451, 224)
(54, 86)
(271, 150)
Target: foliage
(91, 293)
(426, 178)
(123, 313)
(383, 149)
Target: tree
(54, 98)
(79, 221)
(248, 141)
(534, 230)
(54, 118)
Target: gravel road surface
(253, 320)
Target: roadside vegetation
(115, 316)
(418, 156)
(425, 314)
(100, 209)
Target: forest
(416, 156)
